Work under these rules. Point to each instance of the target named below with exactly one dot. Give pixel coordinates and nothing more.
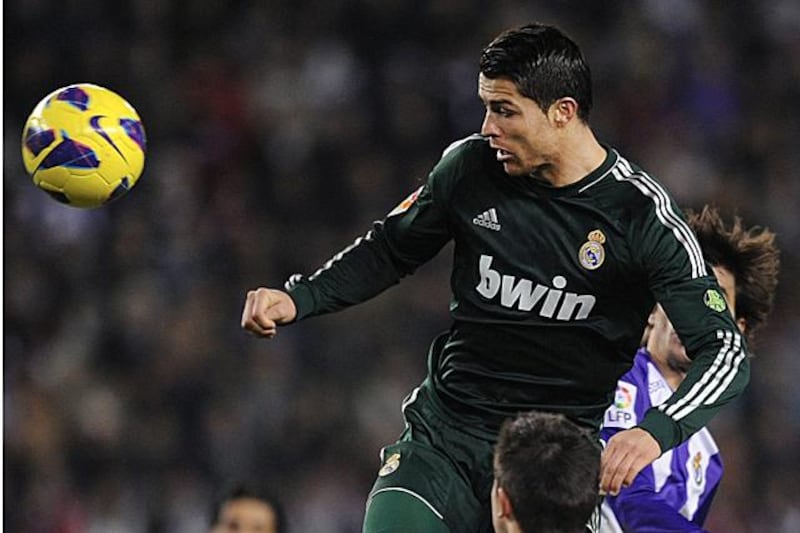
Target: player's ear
(562, 111)
(742, 324)
(504, 503)
(651, 318)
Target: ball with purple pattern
(37, 139)
(74, 96)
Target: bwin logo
(523, 295)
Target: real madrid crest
(592, 254)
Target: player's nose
(489, 127)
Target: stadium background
(277, 132)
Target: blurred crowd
(277, 132)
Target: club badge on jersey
(592, 254)
(390, 465)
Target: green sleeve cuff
(663, 428)
(303, 299)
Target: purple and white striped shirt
(675, 492)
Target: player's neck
(672, 376)
(510, 526)
(580, 153)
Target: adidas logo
(487, 219)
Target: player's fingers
(614, 463)
(248, 310)
(607, 466)
(609, 460)
(636, 466)
(254, 317)
(616, 476)
(262, 302)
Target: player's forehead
(248, 510)
(498, 90)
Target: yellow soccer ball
(84, 145)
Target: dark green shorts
(440, 464)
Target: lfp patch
(622, 413)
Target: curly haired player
(675, 492)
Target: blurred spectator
(244, 508)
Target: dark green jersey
(551, 290)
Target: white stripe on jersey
(606, 173)
(456, 144)
(720, 361)
(715, 380)
(665, 213)
(740, 356)
(411, 398)
(407, 491)
(662, 470)
(701, 447)
(329, 263)
(608, 520)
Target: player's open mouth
(503, 156)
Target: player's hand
(266, 309)
(626, 454)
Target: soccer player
(247, 509)
(675, 492)
(546, 474)
(562, 247)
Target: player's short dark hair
(550, 469)
(543, 63)
(238, 490)
(750, 254)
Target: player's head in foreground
(546, 474)
(746, 262)
(247, 508)
(537, 90)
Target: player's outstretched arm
(625, 455)
(266, 309)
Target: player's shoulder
(629, 191)
(642, 184)
(471, 154)
(467, 157)
(475, 145)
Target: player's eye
(503, 111)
